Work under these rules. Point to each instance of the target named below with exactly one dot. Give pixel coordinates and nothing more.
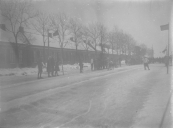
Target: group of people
(106, 63)
(52, 67)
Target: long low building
(28, 55)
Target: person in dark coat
(57, 68)
(146, 63)
(81, 66)
(92, 64)
(40, 67)
(49, 66)
(108, 63)
(119, 61)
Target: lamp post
(48, 34)
(86, 43)
(73, 39)
(166, 27)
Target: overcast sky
(140, 18)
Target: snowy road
(124, 98)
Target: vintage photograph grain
(86, 63)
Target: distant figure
(49, 65)
(119, 60)
(81, 66)
(95, 63)
(126, 61)
(40, 67)
(146, 62)
(92, 64)
(57, 68)
(108, 63)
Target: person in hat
(146, 63)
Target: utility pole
(166, 27)
(48, 41)
(168, 54)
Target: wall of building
(28, 55)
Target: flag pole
(168, 54)
(48, 41)
(166, 27)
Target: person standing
(57, 68)
(49, 66)
(108, 63)
(40, 67)
(81, 66)
(119, 60)
(92, 64)
(146, 63)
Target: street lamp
(163, 28)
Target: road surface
(128, 97)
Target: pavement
(127, 97)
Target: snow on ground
(30, 71)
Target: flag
(3, 27)
(164, 27)
(164, 50)
(56, 33)
(91, 45)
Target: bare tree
(94, 35)
(102, 36)
(76, 32)
(41, 24)
(143, 49)
(112, 40)
(130, 44)
(26, 38)
(16, 13)
(117, 39)
(60, 26)
(86, 39)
